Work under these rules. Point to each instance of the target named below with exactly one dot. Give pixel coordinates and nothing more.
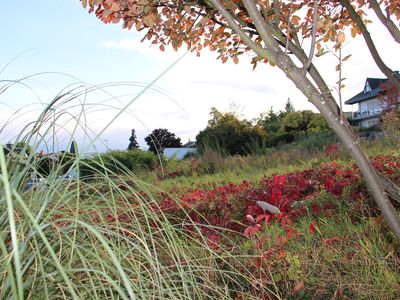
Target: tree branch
(386, 21)
(313, 37)
(234, 26)
(295, 74)
(393, 77)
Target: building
(180, 153)
(370, 104)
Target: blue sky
(60, 36)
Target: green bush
(121, 161)
(313, 141)
(227, 134)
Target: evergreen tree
(73, 148)
(289, 106)
(133, 144)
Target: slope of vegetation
(201, 234)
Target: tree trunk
(321, 101)
(345, 134)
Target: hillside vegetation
(194, 230)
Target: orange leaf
(148, 20)
(299, 286)
(236, 60)
(353, 32)
(84, 3)
(138, 25)
(341, 37)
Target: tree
(74, 148)
(391, 122)
(390, 99)
(160, 139)
(226, 133)
(133, 144)
(297, 121)
(318, 123)
(271, 121)
(289, 106)
(271, 32)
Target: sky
(54, 47)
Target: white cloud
(144, 49)
(124, 44)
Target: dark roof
(374, 84)
(189, 145)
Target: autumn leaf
(138, 25)
(250, 219)
(341, 37)
(298, 287)
(312, 227)
(236, 60)
(148, 20)
(353, 32)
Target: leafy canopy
(160, 139)
(198, 24)
(227, 133)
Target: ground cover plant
(302, 231)
(272, 33)
(96, 236)
(114, 236)
(325, 210)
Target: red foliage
(312, 228)
(234, 206)
(231, 205)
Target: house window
(367, 88)
(370, 106)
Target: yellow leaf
(353, 32)
(320, 24)
(341, 37)
(235, 60)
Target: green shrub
(120, 161)
(226, 133)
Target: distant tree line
(229, 134)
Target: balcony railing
(365, 114)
